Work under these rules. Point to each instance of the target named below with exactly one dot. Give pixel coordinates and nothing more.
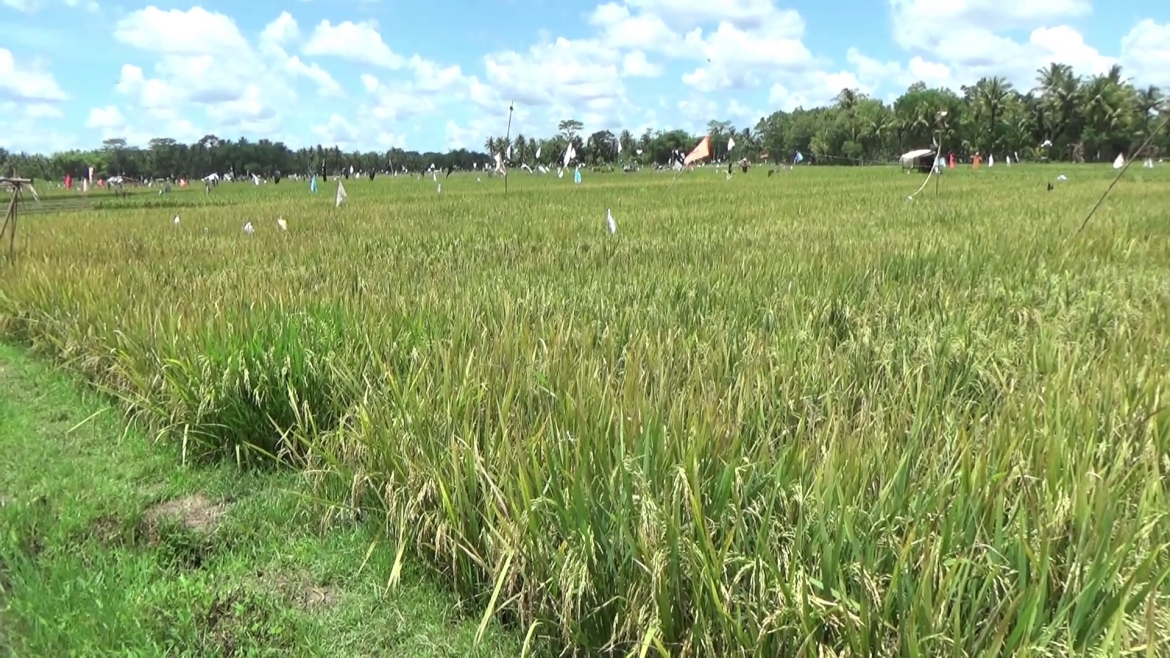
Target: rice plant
(771, 416)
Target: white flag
(610, 221)
(340, 194)
(538, 152)
(730, 143)
(569, 154)
(1119, 162)
(991, 161)
(619, 147)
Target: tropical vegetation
(1066, 117)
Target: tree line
(1065, 117)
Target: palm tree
(521, 148)
(1146, 103)
(989, 98)
(1107, 104)
(626, 139)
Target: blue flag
(799, 157)
(577, 177)
(313, 184)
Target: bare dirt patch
(301, 591)
(198, 513)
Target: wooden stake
(508, 139)
(16, 185)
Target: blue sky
(374, 74)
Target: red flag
(68, 182)
(701, 151)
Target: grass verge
(110, 547)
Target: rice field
(787, 416)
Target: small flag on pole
(340, 194)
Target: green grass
(796, 415)
(90, 565)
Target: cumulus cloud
(25, 83)
(957, 43)
(355, 42)
(1145, 51)
(427, 89)
(33, 6)
(204, 61)
(340, 131)
(737, 60)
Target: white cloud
(1145, 51)
(751, 41)
(872, 74)
(280, 32)
(356, 42)
(205, 61)
(635, 65)
(698, 112)
(737, 45)
(471, 135)
(32, 6)
(176, 32)
(562, 72)
(105, 118)
(24, 131)
(815, 89)
(110, 123)
(43, 111)
(622, 29)
(204, 74)
(931, 24)
(430, 77)
(338, 130)
(325, 82)
(555, 80)
(1065, 45)
(284, 32)
(430, 88)
(27, 83)
(966, 40)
